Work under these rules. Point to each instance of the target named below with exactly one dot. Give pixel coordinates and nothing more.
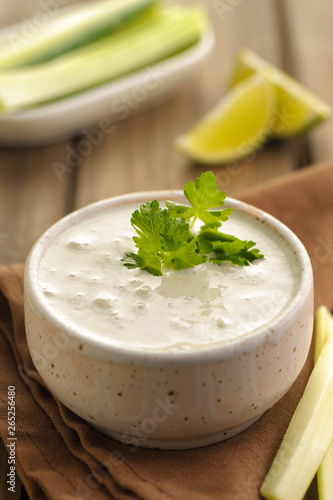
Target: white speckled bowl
(183, 400)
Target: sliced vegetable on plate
(74, 28)
(118, 40)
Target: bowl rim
(97, 347)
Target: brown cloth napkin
(59, 457)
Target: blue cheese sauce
(86, 284)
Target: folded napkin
(59, 457)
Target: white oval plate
(104, 105)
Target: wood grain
(31, 198)
(310, 52)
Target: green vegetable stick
(324, 331)
(75, 28)
(308, 436)
(174, 30)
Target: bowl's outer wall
(185, 403)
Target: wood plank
(138, 154)
(310, 48)
(31, 198)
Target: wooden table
(138, 155)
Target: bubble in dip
(48, 292)
(73, 276)
(144, 291)
(79, 246)
(104, 301)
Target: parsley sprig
(165, 240)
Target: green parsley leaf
(145, 260)
(183, 256)
(149, 223)
(180, 249)
(203, 194)
(227, 247)
(161, 240)
(164, 238)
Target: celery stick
(308, 436)
(325, 476)
(71, 30)
(173, 30)
(324, 331)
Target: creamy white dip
(86, 284)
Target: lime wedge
(298, 109)
(235, 127)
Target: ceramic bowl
(158, 400)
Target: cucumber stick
(71, 30)
(324, 331)
(171, 31)
(308, 436)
